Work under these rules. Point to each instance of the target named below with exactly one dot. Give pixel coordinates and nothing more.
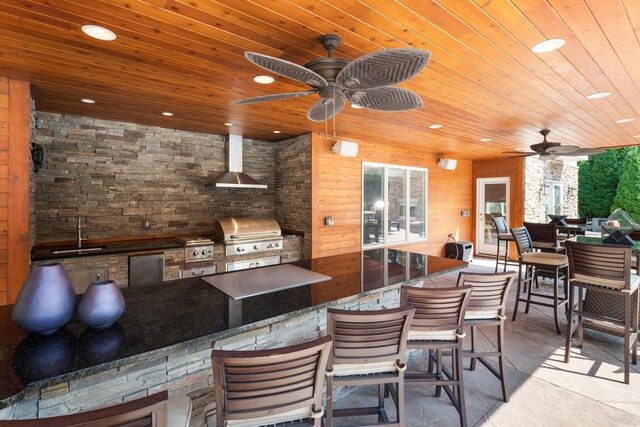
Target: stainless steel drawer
(198, 271)
(252, 263)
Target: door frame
(480, 207)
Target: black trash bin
(459, 250)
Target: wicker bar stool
(532, 261)
(607, 298)
(438, 325)
(368, 348)
(502, 231)
(487, 308)
(264, 387)
(157, 410)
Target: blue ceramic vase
(101, 305)
(46, 300)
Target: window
(394, 204)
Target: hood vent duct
(233, 177)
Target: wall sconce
(544, 189)
(572, 191)
(37, 155)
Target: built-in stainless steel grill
(197, 248)
(248, 235)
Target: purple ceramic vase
(101, 305)
(46, 300)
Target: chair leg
(627, 336)
(580, 331)
(501, 363)
(515, 309)
(555, 299)
(472, 366)
(506, 256)
(381, 393)
(400, 400)
(460, 387)
(329, 411)
(498, 255)
(532, 275)
(567, 348)
(634, 328)
(439, 371)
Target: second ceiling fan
(548, 150)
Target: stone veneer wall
(118, 174)
(538, 172)
(186, 371)
(32, 179)
(293, 186)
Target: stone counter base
(186, 371)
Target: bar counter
(182, 314)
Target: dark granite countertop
(45, 254)
(163, 318)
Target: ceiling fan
(548, 150)
(366, 81)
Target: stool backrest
(436, 308)
(605, 264)
(523, 240)
(543, 233)
(148, 411)
(361, 337)
(270, 384)
(501, 224)
(490, 291)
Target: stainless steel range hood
(233, 177)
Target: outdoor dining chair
(532, 260)
(157, 410)
(607, 296)
(264, 387)
(487, 307)
(368, 349)
(503, 235)
(438, 325)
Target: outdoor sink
(76, 250)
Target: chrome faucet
(80, 238)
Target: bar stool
(503, 234)
(157, 410)
(532, 260)
(437, 326)
(610, 300)
(368, 348)
(487, 308)
(544, 237)
(264, 387)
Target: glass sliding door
(396, 190)
(417, 205)
(373, 206)
(554, 198)
(492, 201)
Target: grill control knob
(256, 247)
(195, 253)
(240, 249)
(275, 245)
(204, 253)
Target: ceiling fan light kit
(366, 81)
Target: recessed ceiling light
(356, 106)
(485, 139)
(168, 114)
(99, 33)
(88, 101)
(625, 120)
(264, 80)
(598, 95)
(435, 126)
(228, 124)
(277, 131)
(636, 136)
(548, 46)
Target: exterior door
(492, 200)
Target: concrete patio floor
(544, 391)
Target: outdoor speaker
(345, 148)
(448, 164)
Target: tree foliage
(600, 182)
(586, 190)
(628, 191)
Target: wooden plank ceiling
(186, 57)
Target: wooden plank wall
(337, 192)
(495, 168)
(14, 187)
